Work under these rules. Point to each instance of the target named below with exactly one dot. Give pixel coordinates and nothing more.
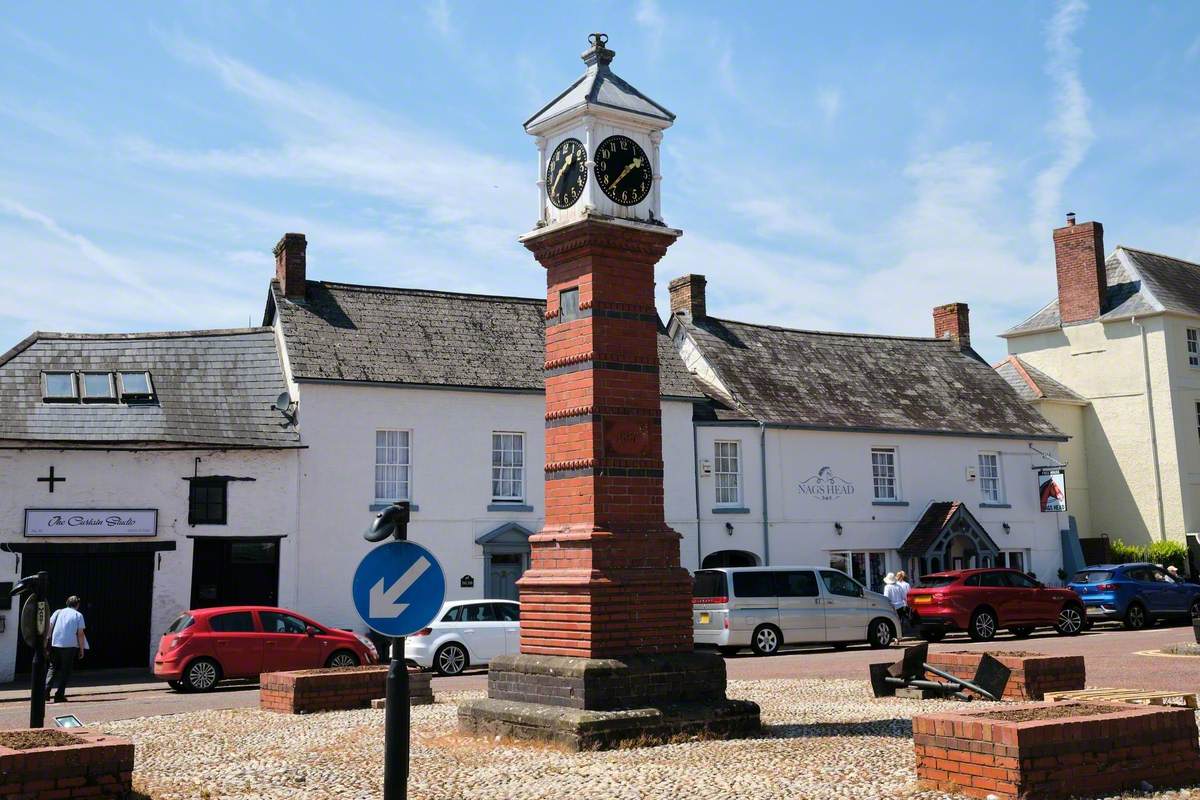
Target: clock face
(623, 170)
(566, 173)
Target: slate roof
(1030, 383)
(377, 334)
(600, 86)
(1139, 282)
(931, 524)
(841, 381)
(211, 387)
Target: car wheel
(1021, 631)
(880, 634)
(983, 625)
(1070, 621)
(766, 640)
(729, 651)
(202, 675)
(450, 659)
(1135, 617)
(177, 685)
(932, 634)
(342, 659)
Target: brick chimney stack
(953, 321)
(1079, 262)
(687, 294)
(290, 265)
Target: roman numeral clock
(598, 147)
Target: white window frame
(61, 398)
(737, 474)
(998, 478)
(518, 475)
(896, 494)
(1193, 347)
(408, 448)
(112, 388)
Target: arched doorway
(729, 558)
(961, 553)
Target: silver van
(764, 608)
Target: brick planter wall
(1032, 676)
(98, 767)
(311, 690)
(420, 690)
(979, 754)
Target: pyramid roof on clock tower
(600, 86)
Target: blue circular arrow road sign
(398, 588)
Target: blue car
(1134, 594)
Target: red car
(206, 646)
(982, 601)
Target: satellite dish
(282, 402)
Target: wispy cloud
(829, 103)
(439, 17)
(1069, 127)
(1193, 51)
(650, 17)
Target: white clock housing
(596, 106)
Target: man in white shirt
(893, 592)
(65, 640)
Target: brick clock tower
(606, 618)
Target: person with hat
(894, 593)
(64, 640)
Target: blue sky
(835, 166)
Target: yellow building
(1114, 363)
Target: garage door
(116, 588)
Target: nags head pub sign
(91, 522)
(826, 486)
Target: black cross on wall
(50, 479)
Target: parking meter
(35, 614)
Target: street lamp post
(33, 631)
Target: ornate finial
(598, 53)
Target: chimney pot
(1070, 217)
(687, 294)
(290, 265)
(953, 321)
(1079, 264)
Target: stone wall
(309, 691)
(98, 767)
(1081, 749)
(1032, 675)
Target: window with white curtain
(393, 466)
(508, 466)
(727, 469)
(883, 473)
(991, 484)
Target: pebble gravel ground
(821, 739)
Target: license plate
(922, 601)
(704, 618)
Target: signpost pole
(396, 722)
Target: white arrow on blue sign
(398, 588)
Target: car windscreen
(934, 581)
(709, 583)
(1092, 576)
(181, 622)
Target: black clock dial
(623, 170)
(566, 173)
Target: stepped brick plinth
(606, 619)
(40, 764)
(309, 691)
(1045, 751)
(1033, 674)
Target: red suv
(205, 646)
(982, 601)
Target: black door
(116, 589)
(235, 572)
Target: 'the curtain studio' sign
(91, 522)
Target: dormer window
(98, 387)
(59, 387)
(136, 387)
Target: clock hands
(632, 165)
(568, 161)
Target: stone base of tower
(604, 703)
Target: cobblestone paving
(823, 739)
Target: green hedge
(1165, 553)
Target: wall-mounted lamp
(729, 528)
(1007, 527)
(837, 526)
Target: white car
(466, 633)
